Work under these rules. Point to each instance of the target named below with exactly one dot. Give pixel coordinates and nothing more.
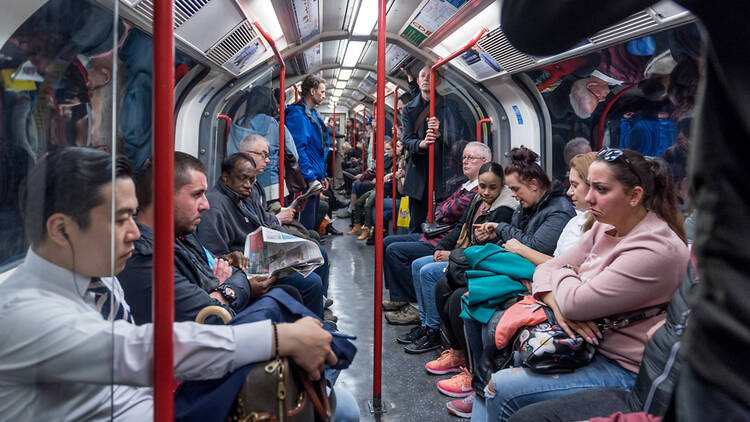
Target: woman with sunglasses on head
(633, 258)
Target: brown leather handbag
(276, 390)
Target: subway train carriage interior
(376, 210)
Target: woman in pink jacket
(633, 258)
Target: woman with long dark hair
(633, 258)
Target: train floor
(408, 390)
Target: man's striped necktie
(106, 303)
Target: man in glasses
(236, 210)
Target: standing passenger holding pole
(419, 131)
(311, 138)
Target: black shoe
(332, 230)
(429, 341)
(413, 334)
(370, 240)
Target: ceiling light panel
(345, 74)
(353, 51)
(366, 18)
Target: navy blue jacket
(211, 400)
(193, 279)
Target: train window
(61, 87)
(637, 94)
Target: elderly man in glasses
(235, 211)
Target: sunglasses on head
(611, 155)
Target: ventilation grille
(183, 10)
(498, 46)
(636, 24)
(230, 45)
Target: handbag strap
(633, 317)
(318, 398)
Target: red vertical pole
(431, 163)
(379, 172)
(395, 141)
(479, 127)
(333, 144)
(296, 93)
(282, 106)
(163, 150)
(372, 137)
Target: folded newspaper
(272, 251)
(314, 187)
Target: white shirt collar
(54, 276)
(469, 185)
(605, 78)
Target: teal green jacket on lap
(494, 278)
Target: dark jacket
(660, 366)
(193, 279)
(224, 227)
(500, 211)
(539, 226)
(452, 130)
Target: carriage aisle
(407, 388)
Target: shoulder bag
(545, 348)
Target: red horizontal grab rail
(228, 121)
(282, 106)
(479, 127)
(431, 151)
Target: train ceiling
(337, 38)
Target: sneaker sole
(420, 351)
(455, 394)
(399, 341)
(455, 412)
(455, 369)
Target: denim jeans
(425, 273)
(347, 409)
(399, 252)
(323, 270)
(519, 387)
(309, 215)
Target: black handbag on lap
(433, 230)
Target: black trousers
(448, 303)
(417, 214)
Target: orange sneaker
(447, 362)
(458, 385)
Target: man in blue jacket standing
(311, 138)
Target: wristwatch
(227, 292)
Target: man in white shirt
(68, 350)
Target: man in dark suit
(419, 132)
